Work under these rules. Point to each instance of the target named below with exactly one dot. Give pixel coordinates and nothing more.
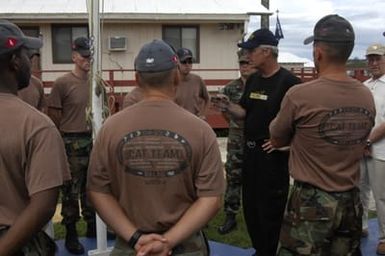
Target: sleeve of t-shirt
(98, 178)
(46, 165)
(209, 179)
(55, 97)
(283, 125)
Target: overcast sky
(299, 17)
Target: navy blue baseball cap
(259, 37)
(184, 54)
(11, 38)
(156, 56)
(82, 46)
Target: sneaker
(381, 248)
(364, 232)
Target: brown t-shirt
(133, 97)
(33, 94)
(71, 95)
(156, 159)
(328, 123)
(32, 156)
(192, 95)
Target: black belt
(77, 134)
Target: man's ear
(14, 62)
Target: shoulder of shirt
(64, 78)
(371, 80)
(32, 112)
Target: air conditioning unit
(117, 43)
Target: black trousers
(265, 181)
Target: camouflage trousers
(78, 148)
(233, 169)
(39, 245)
(196, 245)
(321, 223)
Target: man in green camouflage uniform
(326, 122)
(233, 166)
(67, 108)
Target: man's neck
(334, 72)
(376, 77)
(7, 84)
(158, 94)
(269, 69)
(79, 73)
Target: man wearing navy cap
(67, 105)
(32, 158)
(326, 122)
(265, 177)
(156, 181)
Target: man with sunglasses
(191, 91)
(233, 166)
(67, 108)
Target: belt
(305, 185)
(76, 134)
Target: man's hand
(153, 244)
(220, 102)
(268, 147)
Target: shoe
(72, 243)
(229, 225)
(364, 232)
(381, 248)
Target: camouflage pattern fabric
(233, 166)
(78, 150)
(321, 223)
(39, 245)
(196, 245)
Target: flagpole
(97, 109)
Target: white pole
(97, 109)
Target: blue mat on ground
(368, 245)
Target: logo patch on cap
(150, 60)
(11, 42)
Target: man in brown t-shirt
(326, 123)
(155, 174)
(32, 157)
(67, 105)
(133, 97)
(191, 93)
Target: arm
(31, 220)
(223, 104)
(204, 95)
(55, 114)
(378, 133)
(112, 213)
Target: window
(183, 36)
(62, 38)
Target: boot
(71, 240)
(229, 224)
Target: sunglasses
(243, 63)
(186, 62)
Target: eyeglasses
(243, 63)
(186, 62)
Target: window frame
(54, 46)
(197, 38)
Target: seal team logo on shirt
(346, 126)
(154, 153)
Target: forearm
(198, 215)
(31, 220)
(112, 213)
(378, 133)
(236, 111)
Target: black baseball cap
(82, 46)
(156, 56)
(12, 38)
(332, 28)
(184, 54)
(259, 37)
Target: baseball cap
(156, 56)
(375, 49)
(332, 28)
(11, 38)
(82, 46)
(259, 37)
(184, 53)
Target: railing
(122, 80)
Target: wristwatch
(134, 238)
(368, 143)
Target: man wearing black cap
(32, 157)
(326, 122)
(265, 177)
(67, 105)
(156, 181)
(191, 92)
